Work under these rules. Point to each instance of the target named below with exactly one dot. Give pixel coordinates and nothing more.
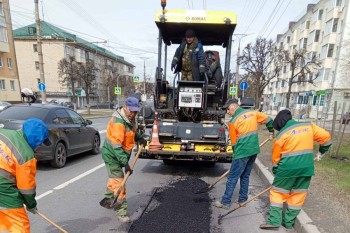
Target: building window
(330, 50)
(322, 100)
(1, 9)
(9, 63)
(37, 65)
(314, 100)
(335, 25)
(35, 48)
(2, 84)
(307, 24)
(320, 14)
(12, 84)
(38, 80)
(0, 61)
(317, 36)
(326, 74)
(3, 34)
(305, 43)
(338, 3)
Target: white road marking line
(78, 177)
(65, 184)
(44, 194)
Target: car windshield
(23, 113)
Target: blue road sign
(243, 86)
(42, 86)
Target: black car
(70, 134)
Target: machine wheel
(210, 164)
(96, 145)
(60, 156)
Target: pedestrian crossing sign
(117, 90)
(233, 90)
(136, 79)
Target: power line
(259, 10)
(267, 23)
(279, 18)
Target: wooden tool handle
(51, 222)
(220, 178)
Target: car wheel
(60, 156)
(96, 145)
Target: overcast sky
(129, 25)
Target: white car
(4, 105)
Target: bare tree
(87, 74)
(67, 72)
(302, 68)
(259, 61)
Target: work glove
(128, 169)
(271, 135)
(274, 170)
(201, 69)
(143, 142)
(319, 156)
(33, 210)
(173, 65)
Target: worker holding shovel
(293, 167)
(17, 174)
(120, 140)
(243, 129)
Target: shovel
(206, 189)
(115, 204)
(221, 216)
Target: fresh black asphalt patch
(176, 208)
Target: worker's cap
(36, 132)
(133, 104)
(190, 33)
(229, 102)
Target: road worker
(293, 167)
(189, 58)
(17, 174)
(243, 129)
(120, 140)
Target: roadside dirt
(328, 209)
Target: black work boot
(106, 203)
(268, 227)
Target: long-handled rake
(51, 222)
(221, 216)
(206, 189)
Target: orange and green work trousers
(14, 221)
(291, 190)
(115, 178)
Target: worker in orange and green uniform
(17, 174)
(293, 167)
(243, 129)
(120, 140)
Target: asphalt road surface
(161, 198)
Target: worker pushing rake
(243, 130)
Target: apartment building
(322, 31)
(56, 45)
(9, 82)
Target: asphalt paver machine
(190, 117)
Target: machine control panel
(190, 97)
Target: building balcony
(4, 47)
(318, 25)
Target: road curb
(303, 223)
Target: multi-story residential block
(9, 82)
(322, 32)
(56, 45)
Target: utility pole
(144, 78)
(240, 36)
(40, 50)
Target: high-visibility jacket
(17, 171)
(293, 149)
(243, 128)
(120, 139)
